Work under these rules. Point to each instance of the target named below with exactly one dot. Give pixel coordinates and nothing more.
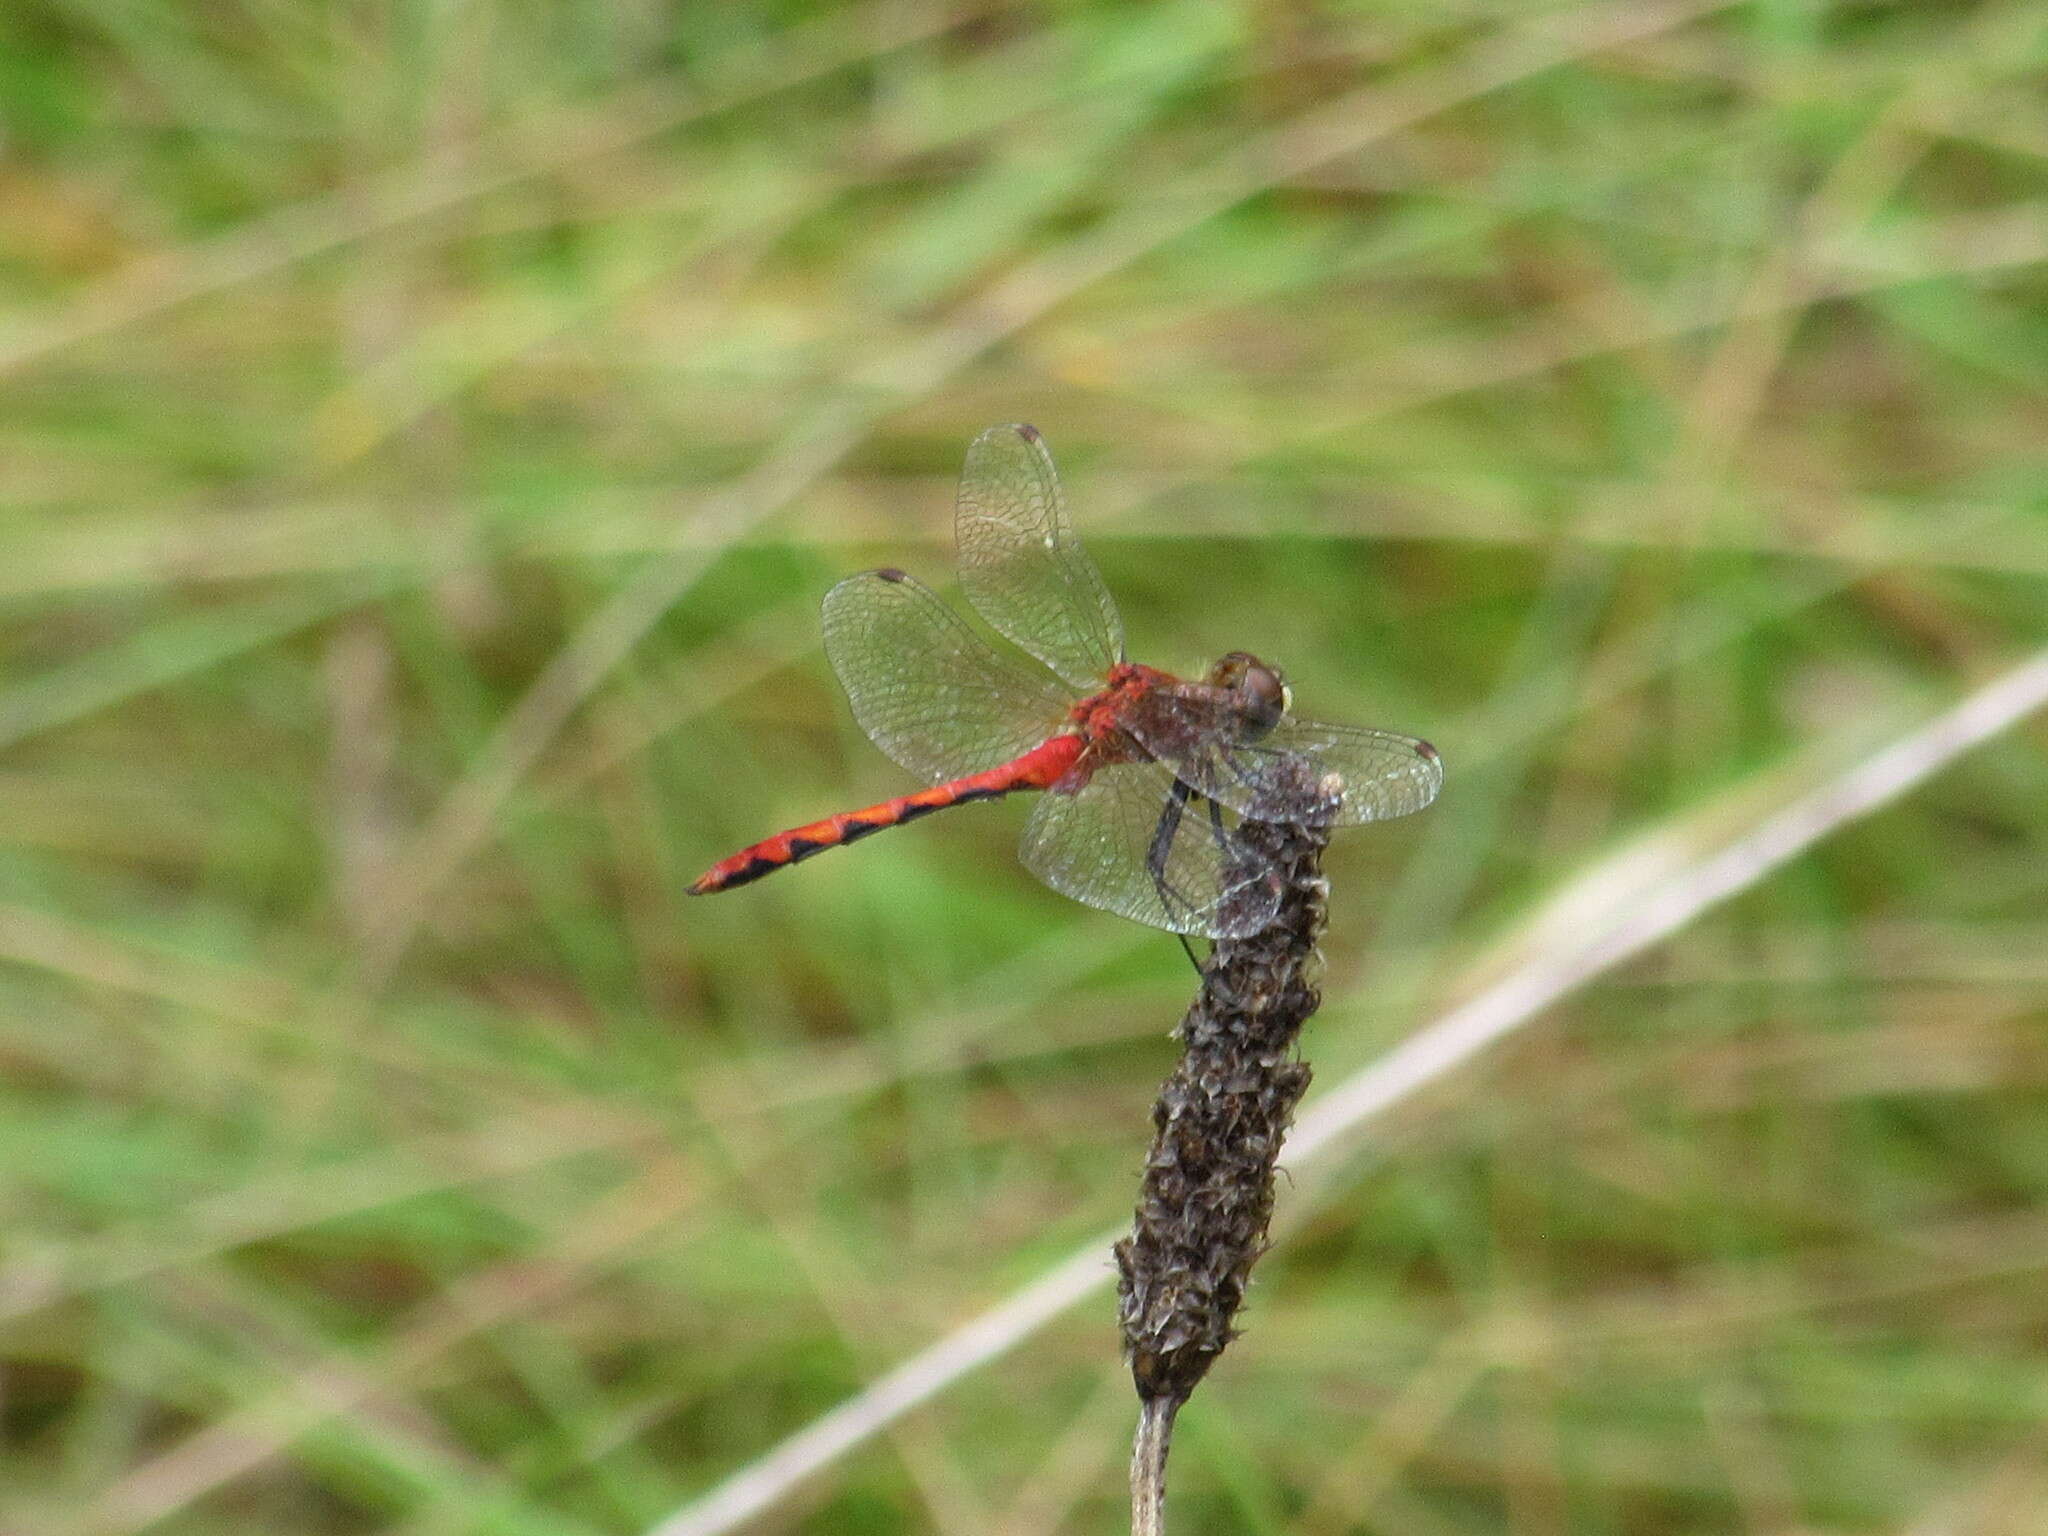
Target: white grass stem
(1638, 914)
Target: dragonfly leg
(1162, 847)
(1162, 839)
(1223, 844)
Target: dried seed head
(1207, 1195)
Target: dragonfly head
(1262, 692)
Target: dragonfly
(1145, 778)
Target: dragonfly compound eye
(1261, 691)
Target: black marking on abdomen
(917, 808)
(749, 872)
(856, 830)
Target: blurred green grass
(428, 430)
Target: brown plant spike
(1207, 1196)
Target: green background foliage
(427, 430)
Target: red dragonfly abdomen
(1040, 768)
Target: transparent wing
(928, 690)
(1126, 843)
(1354, 774)
(1303, 771)
(1021, 565)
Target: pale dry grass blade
(1358, 1477)
(2006, 1501)
(35, 1277)
(1047, 1498)
(759, 1484)
(337, 1383)
(318, 226)
(1614, 913)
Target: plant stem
(1149, 1445)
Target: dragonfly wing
(1299, 771)
(1021, 565)
(1105, 844)
(928, 690)
(1329, 775)
(1359, 774)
